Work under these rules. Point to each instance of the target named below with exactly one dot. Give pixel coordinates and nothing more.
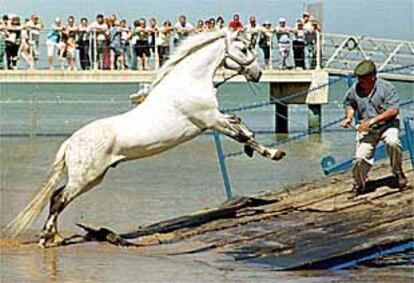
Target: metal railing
(336, 53)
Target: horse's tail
(36, 205)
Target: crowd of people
(109, 43)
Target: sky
(375, 18)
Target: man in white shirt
(182, 29)
(99, 31)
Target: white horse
(181, 105)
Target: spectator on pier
(236, 24)
(182, 30)
(116, 47)
(99, 31)
(53, 40)
(3, 34)
(164, 41)
(312, 41)
(252, 32)
(13, 42)
(307, 25)
(152, 34)
(142, 48)
(220, 22)
(34, 26)
(71, 32)
(375, 105)
(299, 45)
(283, 38)
(83, 44)
(199, 28)
(211, 25)
(25, 50)
(265, 42)
(126, 43)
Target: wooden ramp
(319, 224)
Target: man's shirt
(383, 97)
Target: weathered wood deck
(318, 224)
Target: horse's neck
(203, 63)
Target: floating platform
(313, 225)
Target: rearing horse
(181, 105)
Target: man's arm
(349, 115)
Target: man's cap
(365, 67)
(306, 14)
(282, 20)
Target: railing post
(410, 139)
(318, 50)
(95, 54)
(156, 54)
(223, 167)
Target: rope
(307, 133)
(301, 93)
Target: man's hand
(346, 122)
(364, 126)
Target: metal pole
(156, 55)
(318, 50)
(410, 139)
(223, 166)
(95, 55)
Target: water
(180, 181)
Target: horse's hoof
(42, 243)
(279, 154)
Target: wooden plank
(317, 224)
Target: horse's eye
(244, 51)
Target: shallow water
(180, 181)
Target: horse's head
(240, 56)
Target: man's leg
(364, 158)
(394, 148)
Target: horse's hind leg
(58, 202)
(233, 126)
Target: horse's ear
(237, 34)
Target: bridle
(228, 55)
(242, 64)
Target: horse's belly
(154, 140)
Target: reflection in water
(51, 263)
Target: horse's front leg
(233, 127)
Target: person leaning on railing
(83, 44)
(163, 41)
(298, 45)
(13, 42)
(283, 38)
(71, 33)
(3, 35)
(182, 30)
(99, 31)
(53, 39)
(116, 47)
(265, 39)
(33, 27)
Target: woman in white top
(163, 41)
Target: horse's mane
(186, 48)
